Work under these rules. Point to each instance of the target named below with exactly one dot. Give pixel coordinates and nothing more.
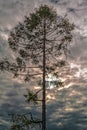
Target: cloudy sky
(68, 108)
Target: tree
(39, 41)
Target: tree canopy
(26, 40)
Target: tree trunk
(44, 86)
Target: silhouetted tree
(38, 42)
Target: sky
(68, 107)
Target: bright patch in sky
(4, 36)
(50, 97)
(83, 31)
(51, 81)
(80, 71)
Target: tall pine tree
(39, 42)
